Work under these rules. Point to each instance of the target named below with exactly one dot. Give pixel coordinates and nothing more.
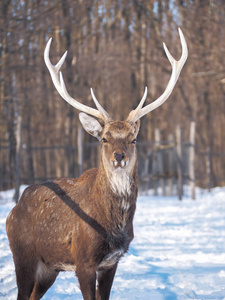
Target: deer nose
(119, 156)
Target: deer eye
(134, 141)
(104, 140)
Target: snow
(178, 252)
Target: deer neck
(121, 182)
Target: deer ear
(137, 127)
(91, 125)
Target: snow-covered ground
(178, 252)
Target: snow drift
(178, 252)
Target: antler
(59, 84)
(176, 69)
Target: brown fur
(80, 224)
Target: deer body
(84, 224)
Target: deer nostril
(119, 156)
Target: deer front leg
(104, 283)
(87, 280)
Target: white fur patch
(111, 259)
(43, 270)
(120, 182)
(125, 205)
(65, 267)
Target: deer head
(118, 138)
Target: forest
(115, 47)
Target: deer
(83, 224)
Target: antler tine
(59, 84)
(99, 107)
(133, 113)
(176, 69)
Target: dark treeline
(115, 47)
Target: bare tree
(115, 47)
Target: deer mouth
(119, 164)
